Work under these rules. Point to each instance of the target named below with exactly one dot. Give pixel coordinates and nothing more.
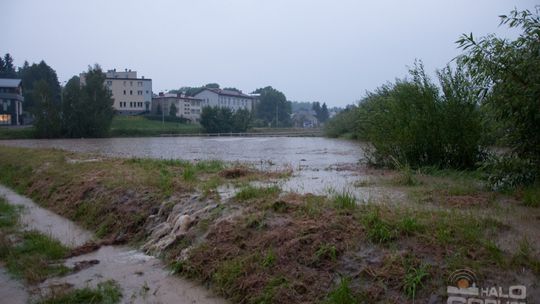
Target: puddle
(143, 278)
(11, 289)
(36, 218)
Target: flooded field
(319, 164)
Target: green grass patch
(34, 257)
(342, 294)
(252, 192)
(8, 214)
(531, 196)
(107, 292)
(126, 126)
(344, 201)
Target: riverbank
(262, 244)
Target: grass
(8, 214)
(414, 278)
(107, 292)
(531, 196)
(342, 294)
(16, 133)
(344, 201)
(250, 192)
(126, 126)
(35, 257)
(28, 255)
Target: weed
(409, 225)
(209, 166)
(227, 274)
(189, 174)
(342, 294)
(33, 258)
(8, 214)
(269, 259)
(344, 200)
(269, 291)
(250, 192)
(524, 257)
(326, 251)
(378, 230)
(414, 277)
(107, 292)
(531, 197)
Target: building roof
(9, 83)
(229, 93)
(172, 95)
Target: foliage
(507, 73)
(173, 110)
(273, 105)
(7, 70)
(30, 75)
(321, 112)
(88, 109)
(509, 172)
(108, 292)
(224, 120)
(344, 124)
(46, 111)
(150, 125)
(410, 122)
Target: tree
(7, 69)
(72, 109)
(323, 115)
(30, 74)
(211, 85)
(173, 110)
(47, 111)
(96, 103)
(241, 120)
(316, 107)
(209, 119)
(508, 75)
(273, 107)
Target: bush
(409, 122)
(166, 118)
(508, 172)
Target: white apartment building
(226, 99)
(131, 95)
(186, 107)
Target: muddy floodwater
(143, 278)
(319, 164)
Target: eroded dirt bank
(263, 244)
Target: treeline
(224, 120)
(73, 111)
(490, 95)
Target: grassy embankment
(122, 126)
(265, 246)
(32, 257)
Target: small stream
(143, 278)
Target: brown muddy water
(320, 165)
(143, 278)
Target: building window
(109, 82)
(5, 119)
(124, 92)
(130, 92)
(139, 83)
(131, 83)
(146, 91)
(139, 92)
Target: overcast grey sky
(312, 50)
